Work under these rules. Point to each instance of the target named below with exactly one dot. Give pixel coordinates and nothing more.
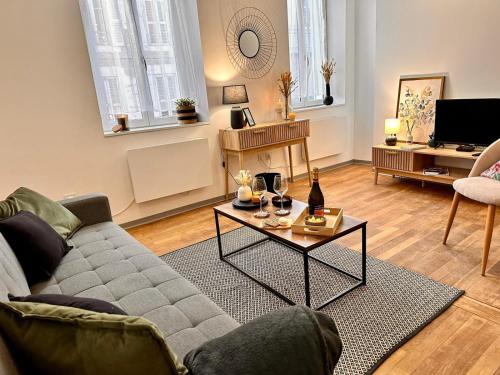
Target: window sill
(148, 129)
(317, 107)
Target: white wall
(365, 31)
(50, 130)
(459, 37)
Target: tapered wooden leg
(451, 216)
(306, 152)
(375, 175)
(240, 157)
(226, 173)
(490, 221)
(291, 162)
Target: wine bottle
(316, 200)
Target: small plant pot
(186, 114)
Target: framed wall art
(416, 107)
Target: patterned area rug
(373, 320)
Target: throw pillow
(90, 304)
(55, 214)
(493, 171)
(51, 339)
(293, 341)
(36, 245)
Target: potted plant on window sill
(186, 111)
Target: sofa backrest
(12, 280)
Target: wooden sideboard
(263, 137)
(394, 161)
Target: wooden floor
(405, 227)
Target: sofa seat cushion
(108, 264)
(481, 189)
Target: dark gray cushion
(292, 341)
(36, 244)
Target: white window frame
(188, 52)
(307, 68)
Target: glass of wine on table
(281, 187)
(259, 188)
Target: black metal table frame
(360, 280)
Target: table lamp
(392, 127)
(235, 94)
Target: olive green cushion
(48, 339)
(53, 213)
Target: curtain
(116, 60)
(188, 52)
(308, 48)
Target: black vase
(328, 98)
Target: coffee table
(300, 243)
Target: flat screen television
(467, 121)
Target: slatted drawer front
(392, 159)
(260, 136)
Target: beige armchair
(481, 189)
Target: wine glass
(281, 187)
(259, 187)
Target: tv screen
(468, 121)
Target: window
(140, 63)
(308, 49)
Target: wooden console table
(264, 137)
(397, 162)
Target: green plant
(184, 102)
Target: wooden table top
(300, 241)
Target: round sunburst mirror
(251, 43)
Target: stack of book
(436, 171)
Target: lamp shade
(235, 94)
(392, 126)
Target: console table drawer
(257, 136)
(392, 159)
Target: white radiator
(168, 169)
(328, 137)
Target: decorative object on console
(292, 116)
(251, 43)
(327, 70)
(286, 85)
(416, 107)
(248, 116)
(235, 94)
(432, 141)
(392, 127)
(244, 178)
(186, 111)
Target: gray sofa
(108, 264)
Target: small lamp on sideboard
(392, 127)
(235, 94)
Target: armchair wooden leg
(490, 221)
(451, 216)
